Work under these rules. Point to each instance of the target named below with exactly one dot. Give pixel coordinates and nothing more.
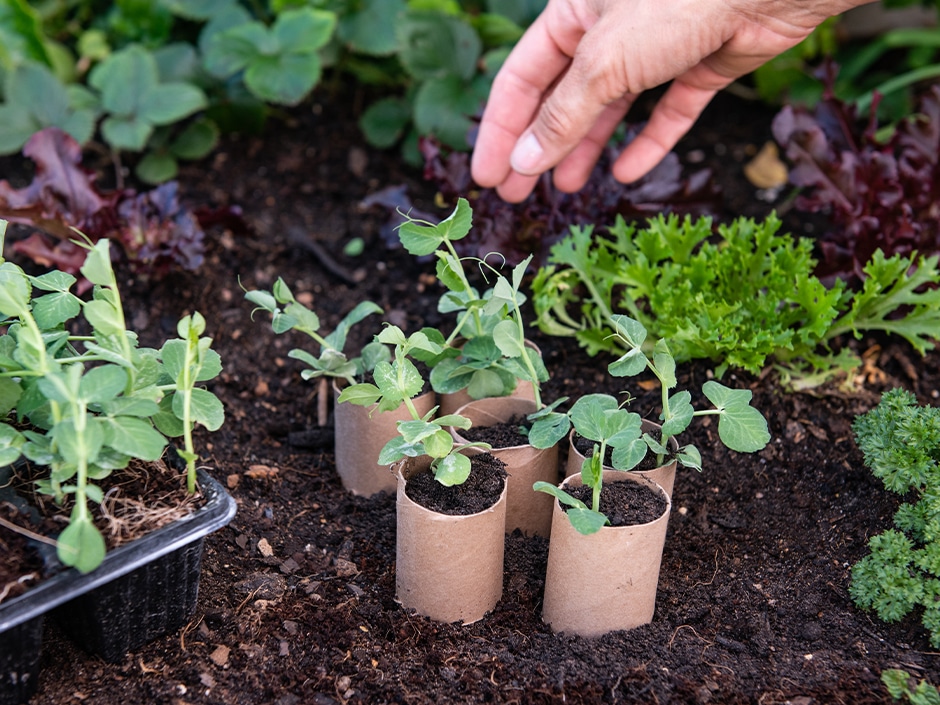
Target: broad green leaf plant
(398, 382)
(602, 419)
(82, 406)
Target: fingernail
(527, 155)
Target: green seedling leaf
(360, 394)
(134, 437)
(680, 414)
(11, 443)
(421, 238)
(392, 335)
(592, 469)
(586, 521)
(665, 364)
(549, 429)
(741, 427)
(143, 406)
(166, 421)
(81, 545)
(10, 393)
(102, 384)
(455, 420)
(628, 456)
(629, 364)
(15, 290)
(417, 430)
(489, 383)
(97, 266)
(55, 309)
(690, 457)
(398, 448)
(506, 337)
(588, 415)
(439, 444)
(206, 408)
(452, 469)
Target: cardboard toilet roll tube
(664, 475)
(526, 509)
(605, 581)
(448, 568)
(359, 437)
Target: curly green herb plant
(898, 683)
(82, 406)
(744, 301)
(900, 442)
(600, 418)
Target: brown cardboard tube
(448, 568)
(360, 435)
(605, 581)
(526, 510)
(664, 475)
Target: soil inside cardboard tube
(481, 490)
(505, 434)
(624, 503)
(297, 600)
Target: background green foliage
(164, 78)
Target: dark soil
(624, 503)
(297, 599)
(499, 435)
(479, 491)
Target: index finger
(528, 73)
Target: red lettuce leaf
(156, 233)
(876, 194)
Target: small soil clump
(480, 491)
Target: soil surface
(297, 600)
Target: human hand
(577, 70)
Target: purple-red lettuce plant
(878, 192)
(156, 233)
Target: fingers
(516, 187)
(671, 119)
(528, 73)
(574, 170)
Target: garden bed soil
(297, 602)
